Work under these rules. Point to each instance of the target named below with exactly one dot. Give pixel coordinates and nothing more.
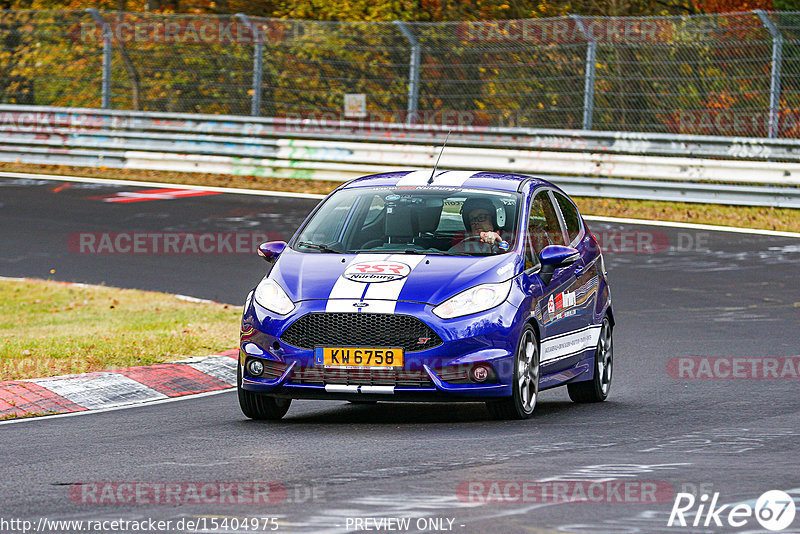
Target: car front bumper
(488, 337)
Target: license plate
(359, 357)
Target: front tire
(260, 407)
(525, 389)
(596, 390)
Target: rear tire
(260, 407)
(525, 389)
(596, 390)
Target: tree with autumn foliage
(376, 10)
(644, 75)
(733, 6)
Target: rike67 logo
(376, 271)
(774, 510)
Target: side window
(533, 236)
(375, 209)
(328, 224)
(543, 228)
(570, 216)
(531, 257)
(548, 227)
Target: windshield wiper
(317, 246)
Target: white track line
(693, 226)
(161, 185)
(113, 408)
(238, 191)
(186, 298)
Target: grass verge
(782, 219)
(48, 328)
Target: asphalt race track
(333, 466)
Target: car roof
(501, 181)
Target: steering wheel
(460, 246)
(473, 238)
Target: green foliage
(786, 5)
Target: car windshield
(426, 220)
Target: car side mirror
(271, 250)
(555, 257)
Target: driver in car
(480, 220)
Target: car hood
(425, 278)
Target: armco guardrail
(342, 150)
(236, 129)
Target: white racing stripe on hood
(447, 178)
(347, 292)
(380, 297)
(391, 290)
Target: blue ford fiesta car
(420, 286)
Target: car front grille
(361, 330)
(454, 374)
(362, 377)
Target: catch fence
(730, 75)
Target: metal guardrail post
(258, 65)
(588, 84)
(107, 48)
(413, 74)
(775, 74)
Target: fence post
(413, 74)
(107, 47)
(775, 74)
(258, 65)
(588, 82)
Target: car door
(557, 311)
(587, 271)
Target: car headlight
(271, 296)
(476, 299)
